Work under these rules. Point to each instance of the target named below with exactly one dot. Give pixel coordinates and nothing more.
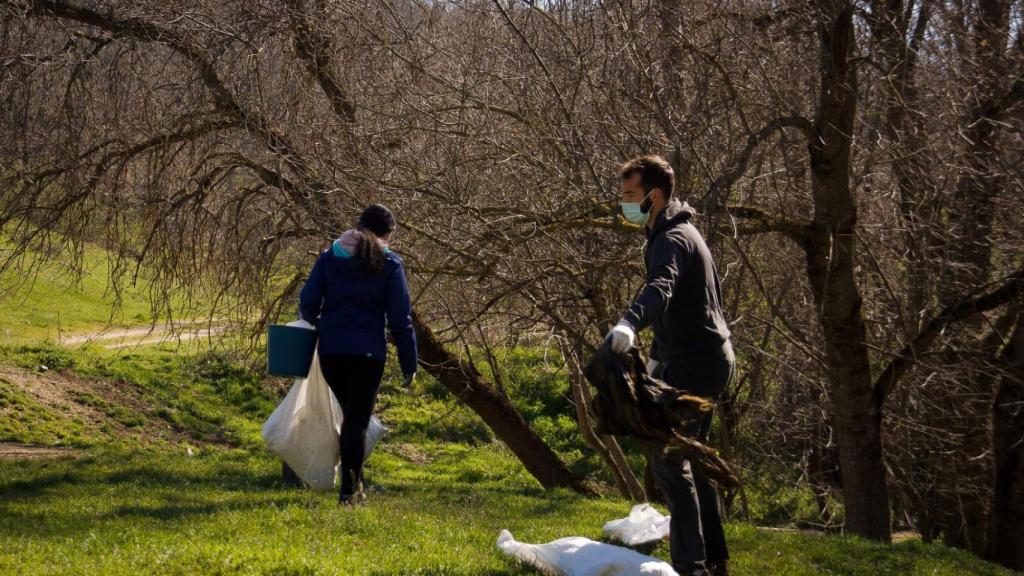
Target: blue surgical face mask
(637, 212)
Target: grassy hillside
(52, 300)
(165, 473)
(95, 397)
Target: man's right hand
(621, 338)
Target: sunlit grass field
(165, 470)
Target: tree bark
(897, 56)
(496, 410)
(963, 500)
(1006, 538)
(969, 246)
(830, 269)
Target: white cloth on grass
(304, 429)
(644, 525)
(577, 556)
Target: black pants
(355, 381)
(696, 536)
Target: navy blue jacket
(348, 304)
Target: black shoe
(357, 498)
(719, 569)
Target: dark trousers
(355, 381)
(696, 536)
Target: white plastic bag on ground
(304, 429)
(644, 525)
(577, 556)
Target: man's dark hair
(654, 172)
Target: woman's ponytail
(370, 251)
(375, 223)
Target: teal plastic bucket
(290, 350)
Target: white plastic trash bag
(374, 432)
(304, 430)
(577, 556)
(300, 323)
(644, 525)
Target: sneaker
(720, 569)
(357, 499)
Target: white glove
(621, 338)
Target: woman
(355, 286)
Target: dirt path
(16, 451)
(145, 335)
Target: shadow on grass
(112, 469)
(446, 571)
(52, 498)
(51, 481)
(62, 514)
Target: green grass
(223, 512)
(54, 301)
(206, 397)
(130, 501)
(444, 490)
(43, 297)
(24, 419)
(212, 397)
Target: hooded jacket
(681, 299)
(353, 308)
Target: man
(682, 302)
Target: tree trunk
(606, 446)
(496, 411)
(981, 179)
(966, 477)
(857, 424)
(897, 55)
(830, 270)
(1006, 536)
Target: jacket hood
(345, 246)
(675, 212)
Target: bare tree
(856, 166)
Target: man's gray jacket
(682, 298)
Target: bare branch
(722, 184)
(1011, 288)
